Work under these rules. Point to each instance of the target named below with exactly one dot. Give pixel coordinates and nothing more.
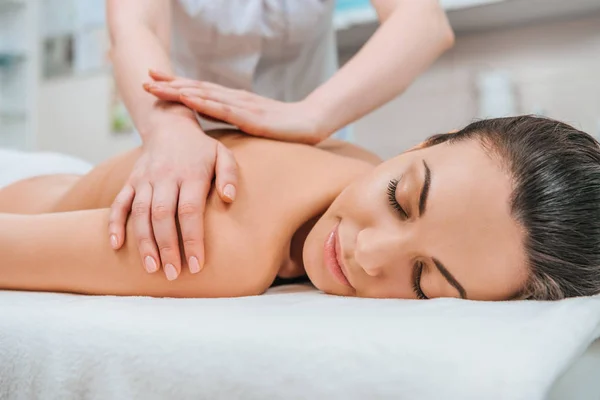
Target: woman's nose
(377, 249)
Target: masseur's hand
(253, 114)
(166, 194)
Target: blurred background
(510, 57)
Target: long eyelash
(391, 192)
(417, 282)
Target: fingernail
(229, 191)
(194, 265)
(171, 272)
(185, 94)
(150, 264)
(114, 242)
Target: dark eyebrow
(424, 189)
(451, 280)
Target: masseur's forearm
(413, 33)
(140, 34)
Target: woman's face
(434, 222)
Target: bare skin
(283, 200)
(394, 224)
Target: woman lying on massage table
(503, 209)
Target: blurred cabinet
(19, 74)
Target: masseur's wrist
(165, 114)
(169, 109)
(323, 122)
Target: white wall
(555, 68)
(74, 118)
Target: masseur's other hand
(253, 114)
(166, 195)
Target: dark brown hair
(555, 171)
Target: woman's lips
(333, 259)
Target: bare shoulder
(350, 150)
(281, 186)
(233, 138)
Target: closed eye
(417, 272)
(391, 192)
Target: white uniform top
(280, 49)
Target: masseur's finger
(161, 76)
(167, 92)
(117, 220)
(192, 84)
(226, 174)
(192, 202)
(142, 227)
(234, 115)
(164, 207)
(229, 97)
(162, 91)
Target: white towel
(292, 344)
(18, 165)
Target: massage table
(295, 342)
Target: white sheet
(580, 381)
(16, 165)
(293, 345)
